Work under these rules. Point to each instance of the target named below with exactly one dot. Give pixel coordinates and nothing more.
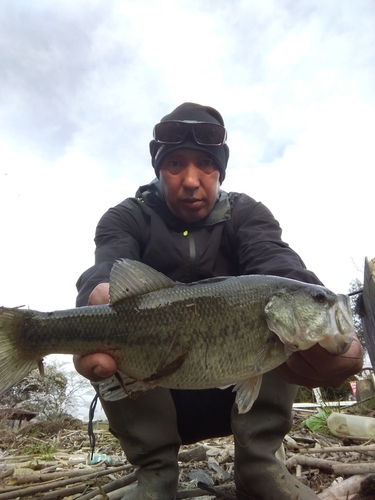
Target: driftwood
(346, 487)
(19, 458)
(181, 495)
(112, 486)
(370, 448)
(368, 312)
(9, 493)
(98, 492)
(36, 477)
(217, 492)
(8, 471)
(68, 475)
(330, 466)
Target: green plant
(318, 420)
(45, 451)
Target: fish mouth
(342, 325)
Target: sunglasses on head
(204, 133)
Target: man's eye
(174, 166)
(208, 166)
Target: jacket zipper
(192, 255)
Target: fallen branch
(6, 472)
(194, 493)
(112, 486)
(216, 491)
(330, 466)
(119, 494)
(37, 477)
(19, 458)
(339, 449)
(64, 492)
(100, 491)
(9, 493)
(347, 487)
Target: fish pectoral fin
(135, 388)
(168, 369)
(246, 393)
(265, 353)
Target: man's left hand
(316, 367)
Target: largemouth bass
(212, 333)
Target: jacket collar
(151, 194)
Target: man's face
(190, 183)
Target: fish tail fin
(15, 363)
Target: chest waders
(258, 435)
(147, 430)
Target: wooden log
(37, 477)
(193, 493)
(366, 448)
(8, 471)
(98, 491)
(346, 487)
(118, 494)
(219, 493)
(330, 466)
(9, 493)
(368, 319)
(112, 486)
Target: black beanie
(191, 111)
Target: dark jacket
(239, 236)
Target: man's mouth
(192, 203)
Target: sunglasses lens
(209, 134)
(175, 132)
(170, 132)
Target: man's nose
(192, 176)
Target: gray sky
(83, 83)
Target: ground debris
(50, 461)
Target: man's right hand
(98, 366)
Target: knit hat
(191, 111)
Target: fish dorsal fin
(130, 278)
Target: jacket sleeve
(118, 235)
(259, 244)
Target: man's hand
(316, 367)
(100, 295)
(95, 367)
(98, 366)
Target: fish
(218, 332)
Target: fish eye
(320, 297)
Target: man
(183, 225)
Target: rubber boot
(147, 430)
(258, 435)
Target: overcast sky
(83, 83)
